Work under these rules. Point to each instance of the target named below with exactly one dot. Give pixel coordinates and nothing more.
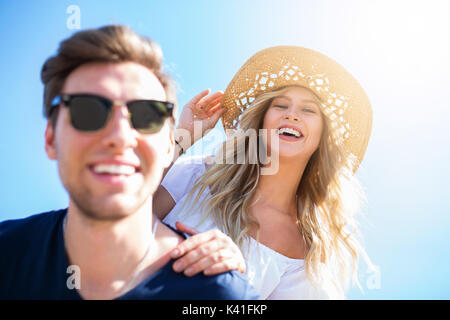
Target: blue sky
(398, 50)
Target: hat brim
(344, 100)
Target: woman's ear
(50, 141)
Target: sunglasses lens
(88, 113)
(147, 116)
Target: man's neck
(108, 253)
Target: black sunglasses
(89, 112)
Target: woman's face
(294, 120)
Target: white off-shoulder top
(273, 275)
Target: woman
(296, 224)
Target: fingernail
(178, 266)
(189, 271)
(175, 253)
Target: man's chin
(107, 214)
(108, 210)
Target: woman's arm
(202, 112)
(210, 252)
(163, 202)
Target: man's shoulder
(29, 227)
(231, 285)
(31, 264)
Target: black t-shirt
(34, 265)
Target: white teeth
(290, 131)
(114, 169)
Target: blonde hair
(329, 196)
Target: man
(110, 129)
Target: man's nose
(119, 132)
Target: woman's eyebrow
(305, 101)
(311, 101)
(280, 97)
(314, 102)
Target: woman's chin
(287, 152)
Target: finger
(192, 242)
(199, 96)
(215, 117)
(214, 96)
(215, 101)
(207, 112)
(224, 260)
(216, 109)
(186, 229)
(208, 100)
(214, 105)
(212, 102)
(221, 267)
(193, 256)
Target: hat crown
(345, 102)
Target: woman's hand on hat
(203, 110)
(211, 252)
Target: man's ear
(170, 150)
(50, 141)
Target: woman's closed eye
(280, 106)
(311, 110)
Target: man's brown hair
(113, 44)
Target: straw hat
(344, 100)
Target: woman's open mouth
(289, 134)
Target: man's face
(135, 161)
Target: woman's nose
(292, 117)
